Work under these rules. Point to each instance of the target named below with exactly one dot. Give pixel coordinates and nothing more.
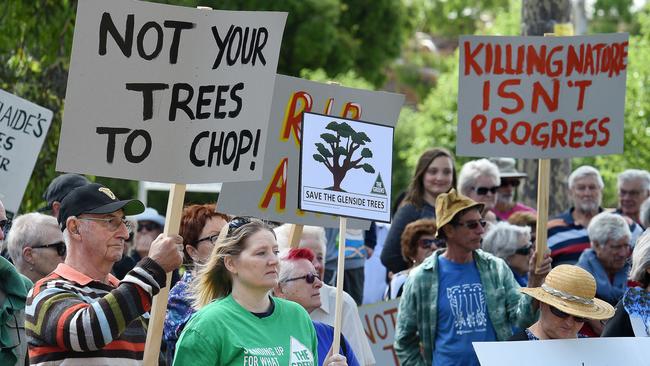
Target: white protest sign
(169, 94)
(565, 352)
(275, 197)
(344, 165)
(379, 321)
(541, 97)
(23, 128)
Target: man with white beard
(567, 233)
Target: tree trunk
(539, 17)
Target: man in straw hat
(460, 294)
(567, 300)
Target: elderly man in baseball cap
(460, 294)
(80, 311)
(511, 178)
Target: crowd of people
(78, 277)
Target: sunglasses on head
(309, 278)
(238, 222)
(524, 250)
(510, 182)
(426, 243)
(59, 246)
(149, 226)
(482, 191)
(562, 315)
(473, 224)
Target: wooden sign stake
(294, 235)
(543, 181)
(340, 268)
(159, 306)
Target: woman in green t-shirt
(237, 320)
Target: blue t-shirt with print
(462, 314)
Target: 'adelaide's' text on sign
(169, 94)
(541, 97)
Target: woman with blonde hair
(237, 321)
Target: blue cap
(150, 214)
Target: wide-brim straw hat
(572, 290)
(448, 205)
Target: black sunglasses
(562, 315)
(426, 243)
(59, 246)
(482, 191)
(524, 250)
(473, 224)
(510, 182)
(149, 226)
(309, 278)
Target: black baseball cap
(94, 198)
(61, 186)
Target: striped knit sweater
(72, 319)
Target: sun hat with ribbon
(572, 290)
(448, 205)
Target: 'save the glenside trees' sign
(169, 94)
(344, 165)
(541, 97)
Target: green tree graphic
(342, 145)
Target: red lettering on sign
(300, 102)
(278, 186)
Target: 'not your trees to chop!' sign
(169, 94)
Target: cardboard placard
(565, 352)
(379, 321)
(169, 94)
(541, 97)
(275, 196)
(23, 128)
(342, 162)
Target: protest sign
(342, 162)
(565, 352)
(379, 321)
(23, 128)
(169, 94)
(541, 97)
(275, 197)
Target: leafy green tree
(338, 148)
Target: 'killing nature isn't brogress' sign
(541, 97)
(168, 93)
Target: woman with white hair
(512, 244)
(632, 317)
(479, 180)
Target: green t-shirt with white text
(224, 333)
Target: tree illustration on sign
(343, 145)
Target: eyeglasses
(562, 315)
(309, 278)
(473, 224)
(237, 222)
(426, 243)
(149, 226)
(59, 246)
(212, 238)
(482, 191)
(525, 250)
(510, 182)
(113, 222)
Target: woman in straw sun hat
(567, 300)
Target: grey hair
(308, 232)
(607, 226)
(641, 260)
(27, 230)
(287, 268)
(585, 171)
(634, 174)
(644, 213)
(470, 172)
(503, 238)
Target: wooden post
(543, 182)
(159, 306)
(294, 235)
(340, 268)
